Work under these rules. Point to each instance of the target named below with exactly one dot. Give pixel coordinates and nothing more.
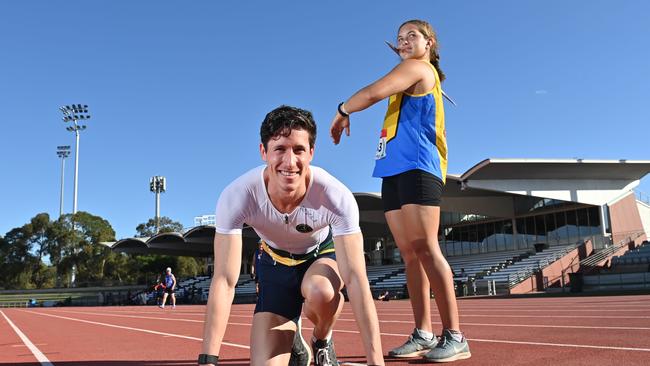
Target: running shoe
(448, 349)
(324, 354)
(415, 346)
(300, 352)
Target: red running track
(612, 330)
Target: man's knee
(319, 290)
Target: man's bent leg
(321, 288)
(271, 339)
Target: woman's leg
(416, 278)
(420, 225)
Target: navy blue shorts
(279, 284)
(411, 187)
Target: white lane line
(384, 321)
(520, 342)
(136, 329)
(525, 325)
(543, 344)
(24, 345)
(463, 314)
(130, 316)
(514, 310)
(384, 334)
(556, 316)
(35, 351)
(148, 317)
(561, 345)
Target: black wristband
(341, 112)
(208, 359)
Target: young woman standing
(411, 159)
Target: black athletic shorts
(411, 187)
(169, 290)
(279, 284)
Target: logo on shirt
(304, 228)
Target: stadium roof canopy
(558, 169)
(488, 188)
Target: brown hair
(428, 33)
(284, 119)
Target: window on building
(594, 220)
(540, 229)
(583, 222)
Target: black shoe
(300, 352)
(324, 354)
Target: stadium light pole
(157, 185)
(74, 113)
(62, 152)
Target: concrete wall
(625, 219)
(644, 213)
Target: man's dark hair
(282, 120)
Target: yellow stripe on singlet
(291, 262)
(389, 129)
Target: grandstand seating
(617, 282)
(523, 269)
(393, 277)
(635, 260)
(504, 268)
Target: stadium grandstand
(508, 226)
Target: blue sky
(179, 89)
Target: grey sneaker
(324, 354)
(448, 349)
(300, 352)
(415, 346)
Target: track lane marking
(382, 321)
(564, 345)
(35, 351)
(136, 329)
(561, 345)
(525, 325)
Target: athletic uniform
(412, 151)
(291, 242)
(169, 283)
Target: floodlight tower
(157, 185)
(62, 152)
(73, 113)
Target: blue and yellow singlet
(413, 135)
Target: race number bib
(381, 149)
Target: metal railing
(14, 304)
(592, 261)
(525, 273)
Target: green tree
(18, 262)
(167, 225)
(36, 234)
(81, 240)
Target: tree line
(71, 251)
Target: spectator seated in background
(384, 297)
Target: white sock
(327, 338)
(424, 334)
(456, 335)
